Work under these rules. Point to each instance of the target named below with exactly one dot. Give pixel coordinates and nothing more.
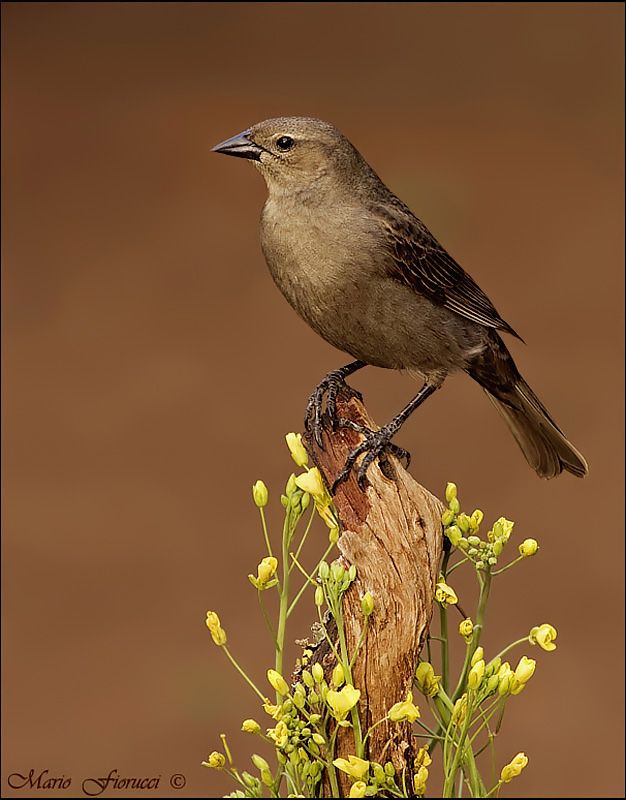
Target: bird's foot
(327, 390)
(376, 445)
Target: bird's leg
(329, 388)
(378, 443)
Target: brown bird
(370, 278)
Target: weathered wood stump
(393, 534)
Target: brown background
(151, 368)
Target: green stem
(443, 623)
(284, 599)
(512, 645)
(242, 673)
(265, 533)
(485, 586)
(448, 787)
(309, 579)
(509, 565)
(306, 533)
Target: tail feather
(543, 443)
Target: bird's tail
(543, 443)
(541, 440)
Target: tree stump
(393, 534)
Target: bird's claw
(327, 390)
(376, 445)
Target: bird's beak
(239, 145)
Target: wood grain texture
(393, 534)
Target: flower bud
(367, 604)
(464, 523)
(450, 492)
(337, 572)
(525, 669)
(250, 726)
(308, 679)
(260, 763)
(338, 676)
(514, 768)
(318, 672)
(218, 634)
(479, 654)
(324, 571)
(358, 789)
(528, 547)
(277, 682)
(466, 629)
(260, 494)
(476, 674)
(447, 517)
(455, 506)
(297, 449)
(291, 485)
(319, 597)
(454, 535)
(497, 547)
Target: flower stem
(241, 672)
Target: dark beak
(239, 145)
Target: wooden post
(393, 534)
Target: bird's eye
(284, 143)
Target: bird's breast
(313, 260)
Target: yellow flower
(280, 734)
(525, 669)
(214, 761)
(502, 529)
(260, 494)
(358, 789)
(476, 674)
(514, 768)
(297, 450)
(218, 634)
(445, 594)
(479, 655)
(528, 547)
(543, 635)
(275, 712)
(406, 711)
(250, 726)
(342, 702)
(422, 757)
(277, 682)
(265, 574)
(312, 483)
(419, 781)
(353, 766)
(466, 629)
(427, 681)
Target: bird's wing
(419, 261)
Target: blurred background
(152, 368)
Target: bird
(370, 278)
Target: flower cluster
(322, 700)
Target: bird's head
(293, 153)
